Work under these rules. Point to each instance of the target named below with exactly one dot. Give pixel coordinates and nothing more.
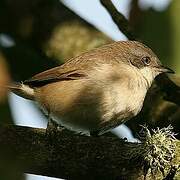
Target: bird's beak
(164, 69)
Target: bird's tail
(21, 90)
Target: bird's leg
(52, 127)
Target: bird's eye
(146, 60)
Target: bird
(97, 90)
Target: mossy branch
(67, 155)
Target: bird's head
(143, 60)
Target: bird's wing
(54, 75)
(73, 69)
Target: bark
(67, 155)
(70, 156)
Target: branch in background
(67, 155)
(119, 19)
(170, 88)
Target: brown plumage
(97, 90)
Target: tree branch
(67, 155)
(119, 19)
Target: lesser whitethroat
(99, 89)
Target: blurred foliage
(72, 38)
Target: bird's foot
(52, 129)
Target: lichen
(159, 150)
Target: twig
(119, 19)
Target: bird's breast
(121, 103)
(87, 104)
